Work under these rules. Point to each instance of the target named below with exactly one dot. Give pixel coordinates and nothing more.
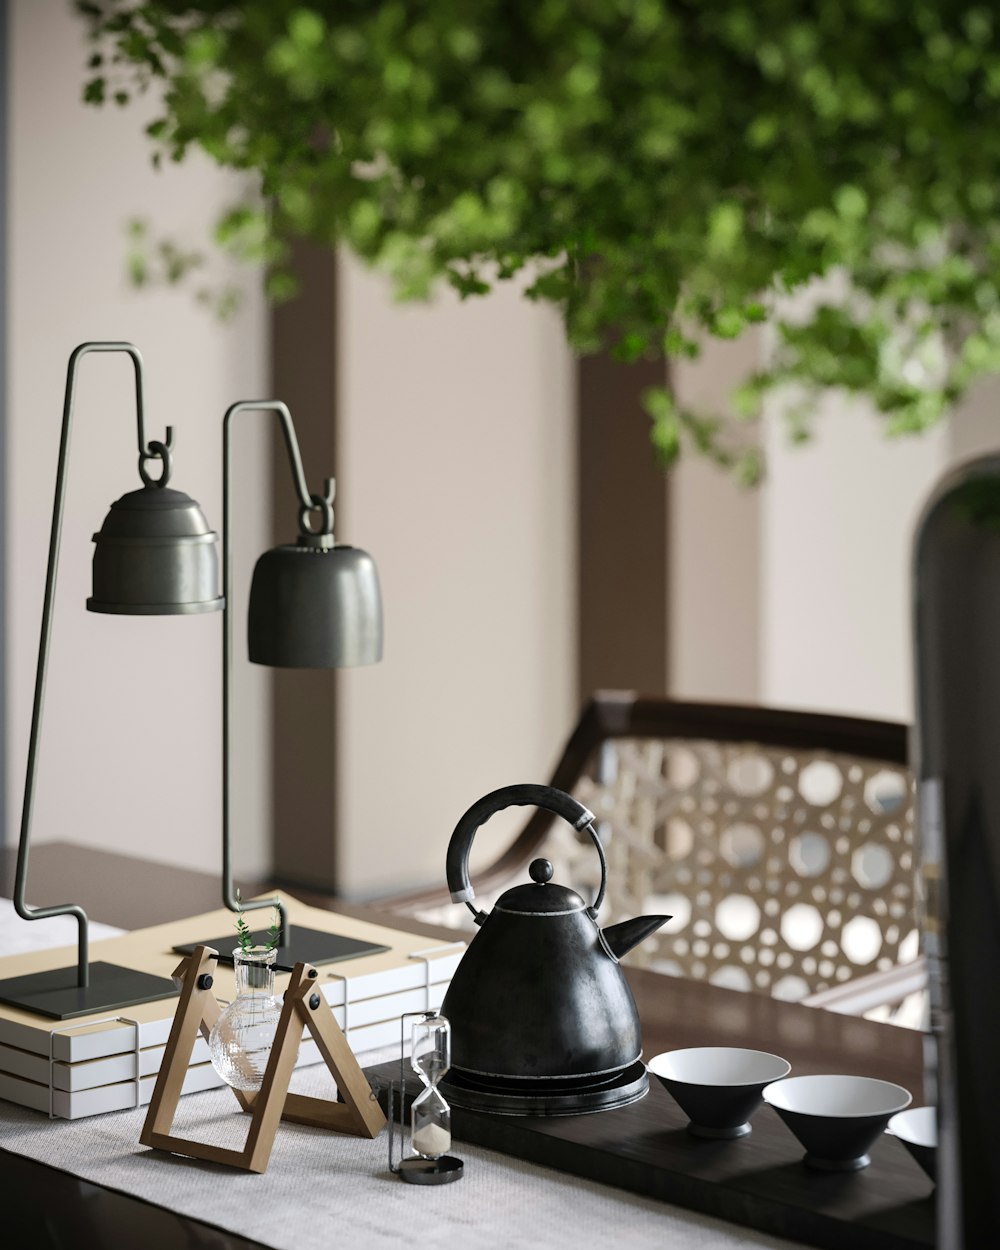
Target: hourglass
(430, 1134)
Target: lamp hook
(157, 451)
(318, 503)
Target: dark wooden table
(47, 1208)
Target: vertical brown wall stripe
(4, 115)
(622, 532)
(304, 375)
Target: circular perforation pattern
(786, 872)
(798, 865)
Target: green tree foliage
(660, 170)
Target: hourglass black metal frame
(415, 1169)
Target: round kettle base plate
(556, 1097)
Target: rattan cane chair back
(781, 842)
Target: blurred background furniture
(782, 843)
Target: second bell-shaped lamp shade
(155, 555)
(315, 604)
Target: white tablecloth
(324, 1190)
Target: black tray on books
(309, 946)
(757, 1181)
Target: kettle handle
(546, 797)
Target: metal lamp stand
(64, 993)
(313, 604)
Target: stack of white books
(92, 1064)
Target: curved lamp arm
(147, 451)
(307, 504)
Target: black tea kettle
(539, 1004)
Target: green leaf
(725, 227)
(729, 323)
(93, 91)
(851, 202)
(307, 29)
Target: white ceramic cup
(718, 1087)
(836, 1118)
(916, 1128)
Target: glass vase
(240, 1043)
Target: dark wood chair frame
(613, 714)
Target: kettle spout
(620, 938)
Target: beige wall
(714, 550)
(798, 595)
(131, 751)
(974, 429)
(838, 522)
(456, 473)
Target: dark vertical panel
(622, 536)
(4, 116)
(303, 373)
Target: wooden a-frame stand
(359, 1114)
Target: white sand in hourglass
(431, 1140)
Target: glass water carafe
(430, 1058)
(240, 1043)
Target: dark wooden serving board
(758, 1181)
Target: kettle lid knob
(540, 870)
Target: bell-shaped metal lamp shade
(155, 555)
(314, 605)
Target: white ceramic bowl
(836, 1118)
(917, 1130)
(718, 1087)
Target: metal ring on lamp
(319, 504)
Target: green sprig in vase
(241, 1041)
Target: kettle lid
(540, 897)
